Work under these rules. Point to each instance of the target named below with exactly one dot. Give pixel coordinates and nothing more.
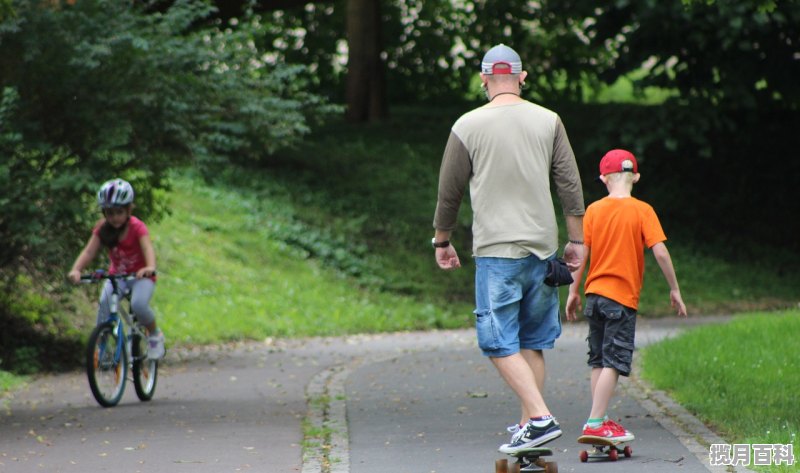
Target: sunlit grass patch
(742, 378)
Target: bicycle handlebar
(101, 274)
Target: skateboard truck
(603, 448)
(527, 460)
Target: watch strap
(439, 244)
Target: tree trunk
(365, 83)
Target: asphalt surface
(409, 402)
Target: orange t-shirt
(617, 231)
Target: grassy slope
(226, 274)
(742, 377)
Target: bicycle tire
(107, 373)
(145, 370)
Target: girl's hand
(145, 272)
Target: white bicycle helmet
(115, 193)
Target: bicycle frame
(120, 317)
(109, 364)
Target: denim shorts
(612, 329)
(514, 308)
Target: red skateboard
(604, 448)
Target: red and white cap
(618, 160)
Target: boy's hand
(74, 276)
(573, 306)
(145, 272)
(677, 302)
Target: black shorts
(612, 328)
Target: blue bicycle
(117, 346)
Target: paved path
(412, 402)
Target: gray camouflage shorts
(612, 328)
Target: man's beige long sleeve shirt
(507, 154)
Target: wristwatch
(439, 244)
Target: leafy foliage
(102, 88)
(97, 89)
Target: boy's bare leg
(519, 376)
(604, 382)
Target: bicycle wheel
(145, 370)
(105, 365)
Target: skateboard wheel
(613, 455)
(628, 451)
(551, 467)
(584, 456)
(514, 468)
(501, 466)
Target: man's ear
(636, 177)
(522, 76)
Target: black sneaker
(533, 437)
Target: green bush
(35, 330)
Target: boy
(616, 230)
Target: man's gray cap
(501, 60)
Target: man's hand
(573, 256)
(447, 258)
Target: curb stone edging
(327, 411)
(314, 457)
(327, 401)
(332, 455)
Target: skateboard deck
(604, 448)
(528, 459)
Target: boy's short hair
(626, 177)
(618, 160)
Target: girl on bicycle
(130, 251)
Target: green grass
(9, 381)
(233, 267)
(623, 91)
(715, 285)
(741, 378)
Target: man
(506, 151)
